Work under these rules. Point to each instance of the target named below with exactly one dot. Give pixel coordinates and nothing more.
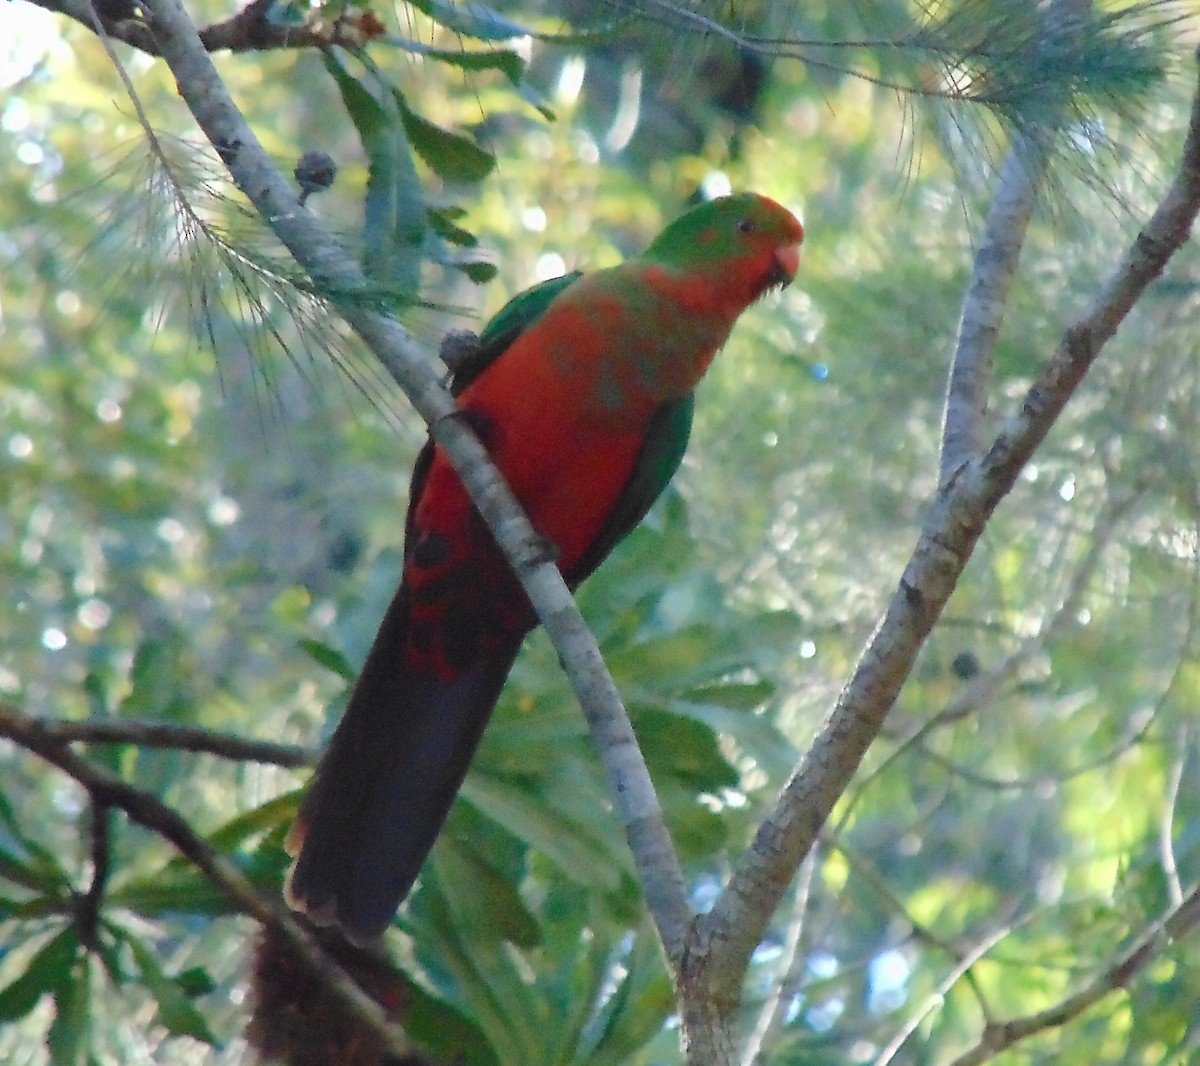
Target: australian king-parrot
(582, 393)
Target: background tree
(202, 527)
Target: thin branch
(336, 273)
(1000, 1036)
(108, 791)
(1166, 832)
(985, 300)
(248, 30)
(87, 904)
(792, 962)
(986, 686)
(995, 265)
(861, 868)
(938, 996)
(1136, 729)
(725, 937)
(143, 733)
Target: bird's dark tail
(386, 783)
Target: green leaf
(68, 1038)
(699, 833)
(106, 949)
(174, 892)
(507, 62)
(499, 1005)
(637, 1009)
(486, 904)
(574, 988)
(178, 887)
(175, 1010)
(47, 970)
(451, 156)
(472, 20)
(266, 817)
(196, 981)
(562, 840)
(328, 657)
(154, 687)
(480, 273)
(684, 749)
(755, 734)
(447, 1034)
(393, 208)
(27, 863)
(442, 222)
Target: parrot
(582, 392)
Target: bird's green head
(748, 237)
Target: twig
(108, 791)
(938, 995)
(248, 30)
(87, 904)
(724, 938)
(986, 686)
(338, 275)
(1166, 832)
(999, 1036)
(774, 1013)
(148, 734)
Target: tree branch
(995, 265)
(249, 30)
(938, 996)
(985, 300)
(109, 791)
(987, 685)
(723, 939)
(791, 971)
(999, 1036)
(149, 734)
(337, 274)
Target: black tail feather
(385, 785)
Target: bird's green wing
(661, 454)
(505, 326)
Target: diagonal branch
(938, 996)
(999, 1036)
(986, 686)
(336, 273)
(723, 939)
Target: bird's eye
(746, 225)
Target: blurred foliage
(201, 514)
